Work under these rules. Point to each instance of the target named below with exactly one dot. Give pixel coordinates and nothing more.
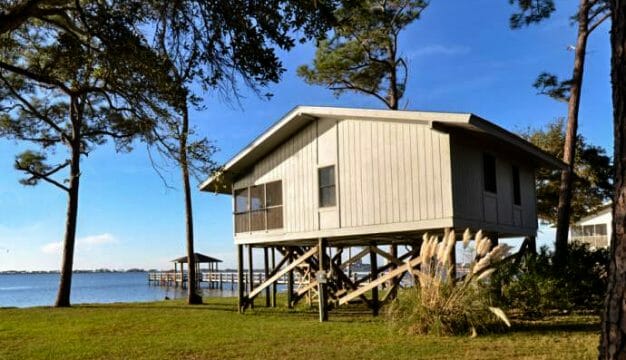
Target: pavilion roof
(200, 258)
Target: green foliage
(215, 43)
(593, 170)
(215, 46)
(362, 52)
(531, 12)
(80, 84)
(550, 85)
(32, 162)
(534, 286)
(443, 305)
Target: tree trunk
(569, 150)
(193, 297)
(65, 284)
(613, 340)
(393, 96)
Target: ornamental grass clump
(442, 304)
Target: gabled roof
(200, 259)
(300, 116)
(606, 208)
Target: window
(577, 231)
(489, 173)
(595, 234)
(327, 186)
(517, 191)
(600, 229)
(259, 207)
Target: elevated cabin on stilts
(323, 182)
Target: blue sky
(462, 57)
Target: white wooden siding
(392, 172)
(529, 198)
(328, 217)
(295, 163)
(390, 175)
(504, 178)
(472, 205)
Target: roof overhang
(477, 124)
(221, 182)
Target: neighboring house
(594, 229)
(337, 177)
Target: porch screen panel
(242, 221)
(274, 203)
(257, 208)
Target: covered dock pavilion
(179, 277)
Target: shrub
(535, 287)
(443, 305)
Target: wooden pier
(214, 280)
(224, 279)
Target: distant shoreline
(103, 271)
(97, 271)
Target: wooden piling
(240, 297)
(290, 280)
(321, 280)
(274, 287)
(267, 275)
(373, 276)
(532, 244)
(250, 275)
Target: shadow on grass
(163, 306)
(551, 327)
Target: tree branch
(36, 77)
(598, 22)
(34, 111)
(349, 86)
(46, 176)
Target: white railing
(597, 241)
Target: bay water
(26, 290)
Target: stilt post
(290, 280)
(373, 276)
(250, 275)
(350, 263)
(267, 273)
(274, 288)
(394, 254)
(240, 293)
(321, 280)
(532, 245)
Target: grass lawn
(173, 330)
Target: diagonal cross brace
(408, 266)
(278, 274)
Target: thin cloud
(439, 50)
(89, 241)
(52, 248)
(98, 239)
